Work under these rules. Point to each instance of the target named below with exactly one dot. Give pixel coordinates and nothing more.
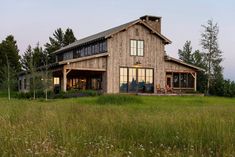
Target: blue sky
(32, 21)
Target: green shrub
(77, 93)
(29, 95)
(118, 100)
(60, 95)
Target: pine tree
(59, 40)
(9, 61)
(186, 54)
(213, 55)
(195, 58)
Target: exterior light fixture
(137, 64)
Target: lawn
(118, 126)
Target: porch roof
(171, 59)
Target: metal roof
(108, 33)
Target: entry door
(168, 82)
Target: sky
(33, 21)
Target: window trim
(180, 83)
(137, 80)
(137, 52)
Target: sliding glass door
(133, 80)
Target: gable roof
(109, 33)
(171, 59)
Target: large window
(149, 81)
(132, 83)
(183, 80)
(123, 79)
(141, 80)
(176, 82)
(136, 80)
(137, 47)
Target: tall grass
(118, 100)
(152, 126)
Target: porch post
(195, 82)
(64, 82)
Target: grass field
(118, 126)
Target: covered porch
(181, 81)
(78, 79)
(87, 73)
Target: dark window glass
(82, 52)
(190, 81)
(105, 46)
(101, 47)
(68, 55)
(184, 80)
(60, 57)
(93, 49)
(96, 48)
(25, 84)
(86, 51)
(20, 84)
(176, 80)
(76, 53)
(89, 50)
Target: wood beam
(64, 81)
(195, 82)
(67, 71)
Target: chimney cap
(150, 17)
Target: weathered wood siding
(176, 67)
(90, 64)
(119, 50)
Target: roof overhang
(168, 58)
(109, 33)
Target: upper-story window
(137, 47)
(68, 55)
(84, 50)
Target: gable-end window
(137, 47)
(140, 50)
(133, 47)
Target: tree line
(210, 82)
(33, 58)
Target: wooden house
(129, 58)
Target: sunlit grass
(148, 126)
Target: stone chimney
(153, 21)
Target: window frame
(137, 52)
(137, 79)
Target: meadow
(118, 126)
